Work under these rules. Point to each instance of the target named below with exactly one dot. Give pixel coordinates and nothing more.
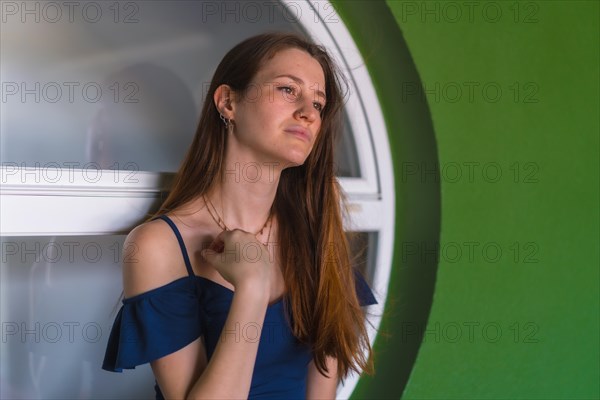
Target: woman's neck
(243, 201)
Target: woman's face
(278, 118)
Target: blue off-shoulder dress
(161, 321)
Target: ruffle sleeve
(152, 325)
(363, 291)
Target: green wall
(517, 173)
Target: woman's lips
(300, 132)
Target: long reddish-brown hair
(313, 247)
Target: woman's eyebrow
(299, 81)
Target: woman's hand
(240, 259)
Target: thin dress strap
(186, 258)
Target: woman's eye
(287, 89)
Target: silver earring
(225, 120)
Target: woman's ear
(223, 99)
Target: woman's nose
(306, 110)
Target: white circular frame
(372, 195)
(109, 204)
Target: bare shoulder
(151, 258)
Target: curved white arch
(372, 195)
(105, 202)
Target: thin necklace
(221, 223)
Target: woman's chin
(296, 161)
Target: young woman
(239, 287)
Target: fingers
(226, 239)
(218, 243)
(217, 246)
